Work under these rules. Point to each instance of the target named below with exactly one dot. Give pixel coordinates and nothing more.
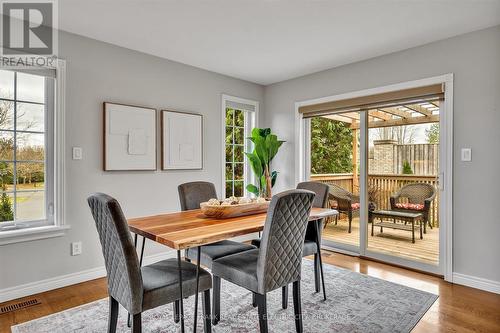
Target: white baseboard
(27, 289)
(477, 282)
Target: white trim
(248, 171)
(446, 123)
(477, 282)
(30, 234)
(32, 288)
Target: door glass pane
(6, 146)
(6, 84)
(30, 117)
(403, 166)
(6, 115)
(30, 147)
(335, 161)
(30, 205)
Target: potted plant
(266, 146)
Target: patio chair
(419, 199)
(344, 201)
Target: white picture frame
(181, 140)
(129, 134)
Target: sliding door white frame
(445, 173)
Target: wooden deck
(394, 242)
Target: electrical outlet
(76, 248)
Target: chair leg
(254, 300)
(176, 305)
(207, 315)
(316, 273)
(284, 297)
(350, 220)
(297, 307)
(113, 314)
(262, 306)
(136, 323)
(216, 299)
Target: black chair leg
(216, 299)
(136, 323)
(254, 300)
(350, 221)
(316, 273)
(129, 321)
(207, 315)
(262, 306)
(284, 297)
(297, 307)
(113, 315)
(322, 275)
(176, 305)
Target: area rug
(356, 303)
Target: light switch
(466, 155)
(77, 153)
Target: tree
(407, 168)
(6, 213)
(331, 146)
(432, 133)
(402, 134)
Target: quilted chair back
(194, 193)
(320, 201)
(120, 257)
(280, 255)
(417, 193)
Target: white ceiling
(267, 41)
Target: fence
(385, 185)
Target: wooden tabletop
(182, 230)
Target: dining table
(192, 229)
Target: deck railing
(384, 185)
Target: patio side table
(396, 215)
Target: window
(239, 119)
(26, 149)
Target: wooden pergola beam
(379, 114)
(420, 109)
(396, 112)
(399, 122)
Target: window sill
(30, 234)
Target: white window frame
(56, 213)
(251, 121)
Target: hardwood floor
(458, 309)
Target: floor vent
(19, 306)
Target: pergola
(407, 114)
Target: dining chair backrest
(193, 193)
(120, 257)
(280, 254)
(320, 201)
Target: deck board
(394, 242)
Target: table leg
(318, 238)
(181, 298)
(198, 259)
(413, 230)
(129, 323)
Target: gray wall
(475, 60)
(98, 72)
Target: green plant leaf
(253, 189)
(255, 163)
(274, 176)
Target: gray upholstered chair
(191, 195)
(278, 261)
(312, 243)
(137, 288)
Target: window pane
(239, 119)
(30, 88)
(229, 135)
(30, 117)
(238, 154)
(238, 171)
(6, 115)
(30, 147)
(6, 146)
(30, 205)
(6, 207)
(229, 153)
(238, 189)
(30, 176)
(229, 189)
(239, 134)
(229, 117)
(6, 176)
(6, 84)
(229, 171)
